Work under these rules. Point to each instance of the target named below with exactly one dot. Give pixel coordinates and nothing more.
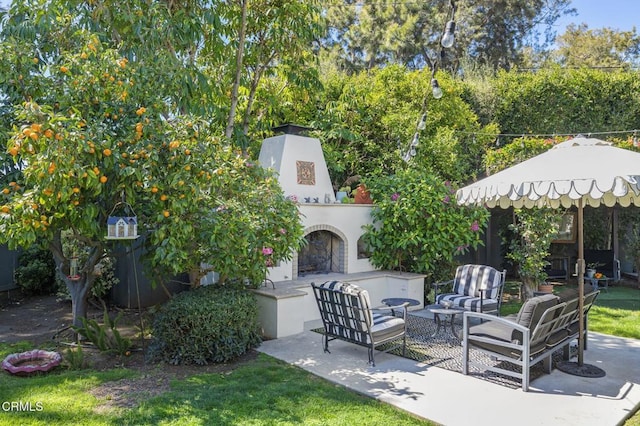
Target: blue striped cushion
(353, 290)
(469, 303)
(470, 279)
(386, 327)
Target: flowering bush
(416, 224)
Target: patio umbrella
(581, 171)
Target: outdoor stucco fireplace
(332, 229)
(334, 246)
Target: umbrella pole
(580, 368)
(581, 265)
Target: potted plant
(361, 195)
(532, 235)
(342, 193)
(592, 268)
(545, 287)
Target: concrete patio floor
(451, 398)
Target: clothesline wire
(551, 135)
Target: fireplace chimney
(291, 129)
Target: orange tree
(86, 127)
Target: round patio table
(439, 311)
(397, 301)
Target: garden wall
(8, 265)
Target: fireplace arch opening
(325, 251)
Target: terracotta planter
(362, 195)
(545, 288)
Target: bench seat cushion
(531, 311)
(501, 333)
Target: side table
(397, 301)
(599, 283)
(439, 311)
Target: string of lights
(447, 41)
(550, 135)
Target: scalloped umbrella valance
(584, 170)
(581, 171)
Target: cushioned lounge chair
(347, 314)
(476, 288)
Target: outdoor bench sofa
(476, 288)
(347, 314)
(543, 325)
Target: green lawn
(263, 392)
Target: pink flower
(283, 231)
(474, 226)
(267, 251)
(446, 199)
(395, 196)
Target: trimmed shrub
(35, 274)
(204, 325)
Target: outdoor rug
(445, 351)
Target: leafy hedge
(204, 325)
(35, 274)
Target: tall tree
(598, 48)
(217, 52)
(365, 34)
(496, 33)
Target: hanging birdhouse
(123, 227)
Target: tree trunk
(78, 288)
(238, 77)
(79, 301)
(529, 285)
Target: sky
(615, 14)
